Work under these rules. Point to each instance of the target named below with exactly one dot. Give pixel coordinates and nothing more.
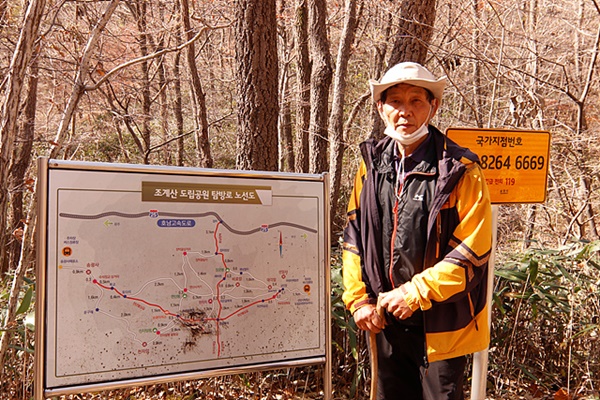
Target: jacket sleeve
(355, 292)
(469, 248)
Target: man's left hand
(393, 301)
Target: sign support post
(480, 359)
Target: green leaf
(21, 348)
(564, 272)
(533, 271)
(511, 275)
(28, 280)
(336, 275)
(594, 264)
(26, 302)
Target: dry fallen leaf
(562, 395)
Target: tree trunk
(178, 100)
(478, 97)
(589, 210)
(3, 14)
(302, 87)
(320, 83)
(164, 111)
(286, 141)
(138, 9)
(22, 156)
(178, 110)
(415, 32)
(412, 40)
(336, 124)
(286, 134)
(533, 68)
(22, 253)
(582, 129)
(256, 72)
(10, 110)
(377, 73)
(205, 159)
(166, 156)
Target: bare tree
(336, 118)
(8, 132)
(533, 69)
(302, 86)
(162, 72)
(10, 109)
(478, 97)
(378, 68)
(286, 140)
(178, 101)
(257, 72)
(320, 82)
(22, 159)
(201, 136)
(516, 63)
(286, 136)
(81, 78)
(139, 9)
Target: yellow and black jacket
(450, 288)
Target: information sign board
(515, 162)
(149, 274)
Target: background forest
(282, 86)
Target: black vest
(405, 216)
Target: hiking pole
(373, 355)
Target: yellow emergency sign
(515, 162)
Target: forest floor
(300, 383)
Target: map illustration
(162, 276)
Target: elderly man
(417, 243)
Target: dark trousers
(402, 371)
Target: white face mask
(407, 140)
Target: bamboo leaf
(564, 272)
(26, 302)
(511, 275)
(533, 271)
(594, 264)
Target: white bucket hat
(411, 73)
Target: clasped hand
(393, 301)
(368, 319)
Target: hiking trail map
(159, 272)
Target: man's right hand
(367, 319)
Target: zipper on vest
(438, 222)
(400, 179)
(393, 241)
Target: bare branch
(152, 56)
(82, 73)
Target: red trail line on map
(218, 319)
(218, 286)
